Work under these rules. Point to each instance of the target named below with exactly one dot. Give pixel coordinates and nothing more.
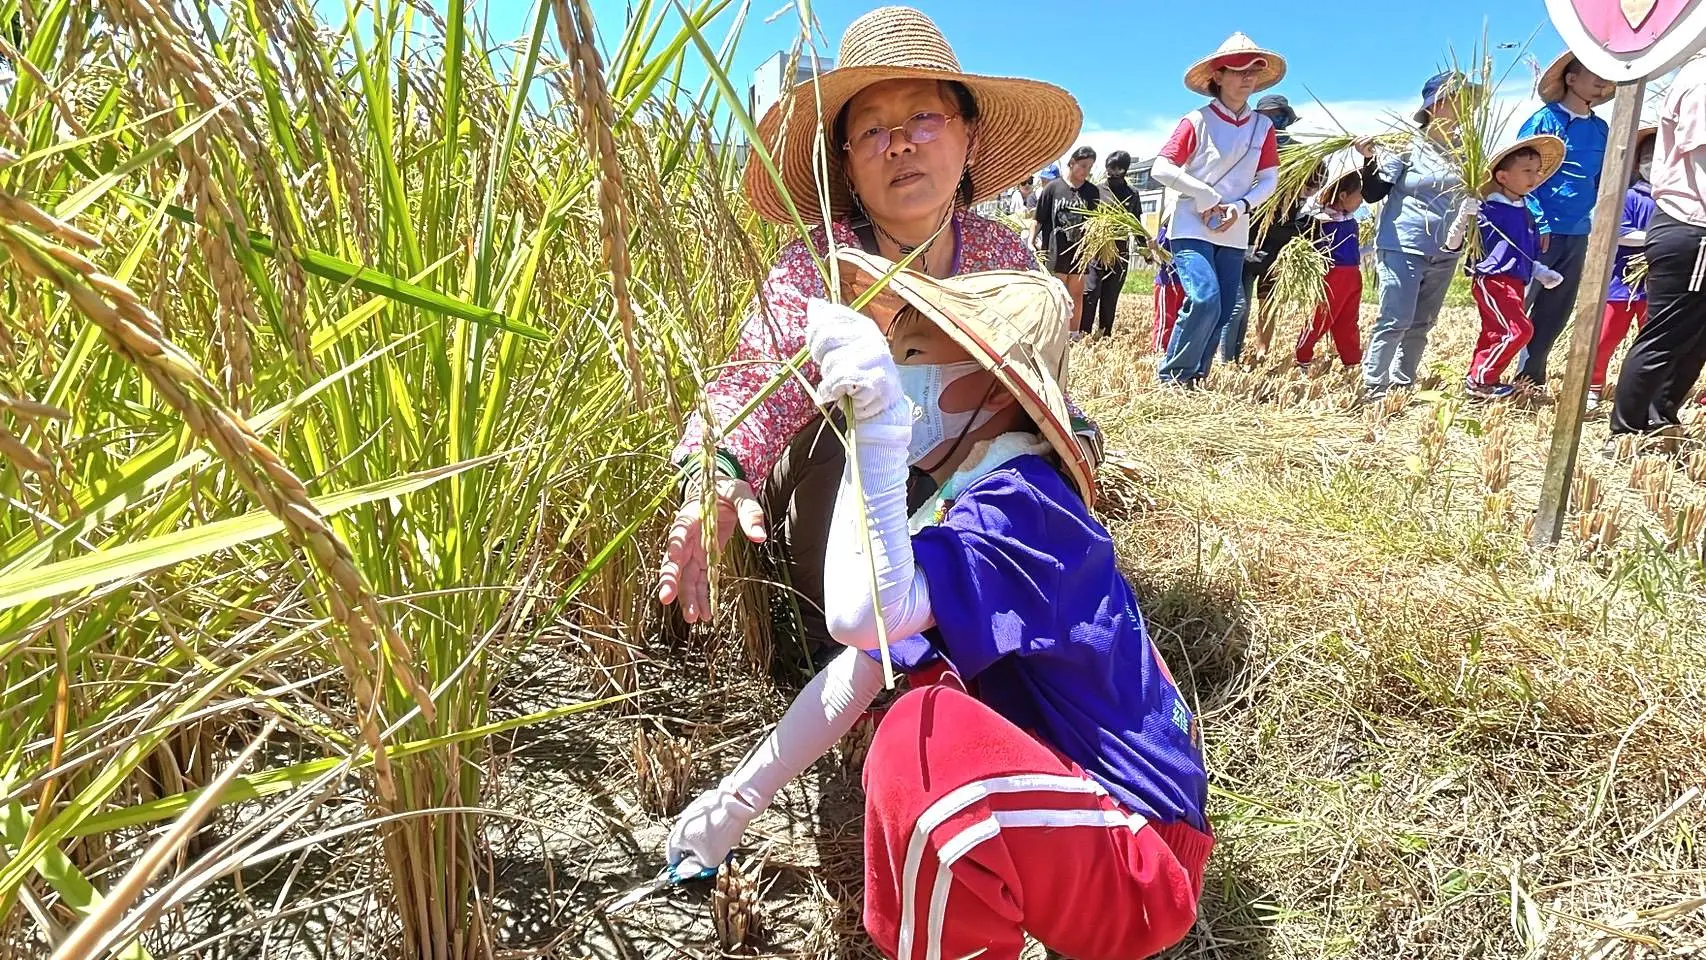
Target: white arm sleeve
(818, 718)
(1169, 174)
(1634, 238)
(901, 591)
(1266, 181)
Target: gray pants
(1412, 291)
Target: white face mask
(924, 384)
(1645, 169)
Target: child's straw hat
(1021, 125)
(1012, 322)
(1550, 148)
(1240, 53)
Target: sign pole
(1589, 308)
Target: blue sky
(1124, 61)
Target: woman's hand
(685, 574)
(1226, 211)
(1364, 146)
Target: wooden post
(1590, 307)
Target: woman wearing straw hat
(1223, 161)
(1043, 776)
(1569, 92)
(1424, 191)
(907, 142)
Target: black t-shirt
(1123, 192)
(1061, 210)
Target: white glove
(708, 829)
(818, 718)
(1459, 230)
(853, 361)
(1546, 276)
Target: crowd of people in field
(1043, 777)
(1528, 216)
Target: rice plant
(1300, 276)
(339, 369)
(1105, 226)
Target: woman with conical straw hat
(1222, 161)
(907, 141)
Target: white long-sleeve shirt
(1217, 157)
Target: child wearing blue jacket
(1563, 205)
(1510, 248)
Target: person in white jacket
(1222, 161)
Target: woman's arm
(818, 718)
(1169, 167)
(773, 332)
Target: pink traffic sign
(1624, 40)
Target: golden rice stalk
(21, 455)
(1495, 459)
(1598, 530)
(576, 31)
(1588, 492)
(1105, 225)
(1303, 166)
(1696, 465)
(1686, 525)
(663, 767)
(734, 905)
(1300, 277)
(1635, 271)
(135, 334)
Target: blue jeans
(1412, 291)
(1549, 310)
(1213, 277)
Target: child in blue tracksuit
(1510, 247)
(1043, 776)
(1563, 205)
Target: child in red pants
(1169, 297)
(1329, 221)
(1052, 783)
(1625, 302)
(1510, 244)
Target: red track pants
(1620, 315)
(976, 833)
(1337, 314)
(1505, 327)
(1168, 301)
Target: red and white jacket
(1215, 157)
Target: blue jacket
(1564, 203)
(1637, 212)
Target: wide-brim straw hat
(1550, 87)
(1012, 322)
(1550, 148)
(1642, 136)
(1234, 49)
(1021, 124)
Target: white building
(771, 83)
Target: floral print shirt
(775, 330)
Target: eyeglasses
(920, 128)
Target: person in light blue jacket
(1563, 206)
(1424, 189)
